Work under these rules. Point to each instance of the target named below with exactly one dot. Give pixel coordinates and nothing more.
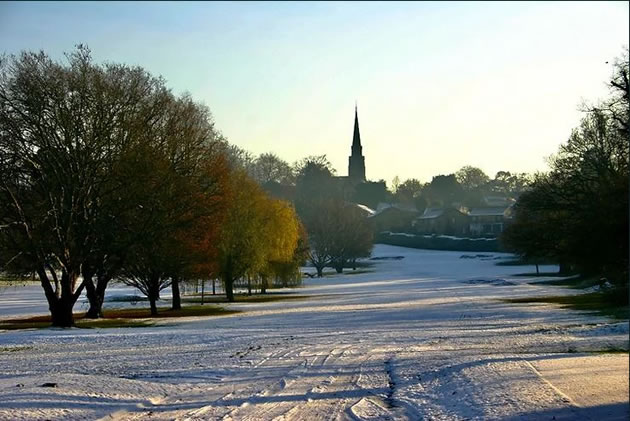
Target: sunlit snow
(419, 337)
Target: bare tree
(62, 129)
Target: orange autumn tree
(198, 244)
(181, 202)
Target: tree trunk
(228, 281)
(96, 305)
(339, 266)
(320, 271)
(61, 312)
(61, 307)
(354, 264)
(154, 295)
(203, 288)
(537, 270)
(214, 291)
(177, 300)
(263, 285)
(90, 292)
(96, 296)
(152, 301)
(249, 285)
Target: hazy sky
(439, 85)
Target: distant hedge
(437, 242)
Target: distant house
(498, 201)
(393, 217)
(442, 221)
(488, 221)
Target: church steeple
(356, 138)
(356, 162)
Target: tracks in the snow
(311, 381)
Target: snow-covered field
(423, 337)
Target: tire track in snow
(322, 389)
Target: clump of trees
(338, 232)
(105, 173)
(577, 213)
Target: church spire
(356, 162)
(356, 138)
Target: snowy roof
(366, 209)
(498, 201)
(430, 213)
(400, 206)
(490, 211)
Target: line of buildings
(484, 221)
(488, 221)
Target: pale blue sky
(439, 85)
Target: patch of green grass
(17, 325)
(42, 322)
(269, 298)
(513, 262)
(17, 348)
(594, 302)
(611, 351)
(114, 318)
(357, 272)
(347, 271)
(241, 298)
(111, 323)
(167, 312)
(521, 262)
(126, 299)
(547, 274)
(575, 282)
(208, 298)
(11, 282)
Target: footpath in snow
(423, 337)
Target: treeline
(466, 187)
(105, 173)
(577, 212)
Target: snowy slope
(423, 337)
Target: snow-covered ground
(423, 337)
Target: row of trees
(105, 173)
(577, 213)
(466, 187)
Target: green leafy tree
(444, 190)
(408, 191)
(471, 178)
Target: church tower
(356, 162)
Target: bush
(438, 242)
